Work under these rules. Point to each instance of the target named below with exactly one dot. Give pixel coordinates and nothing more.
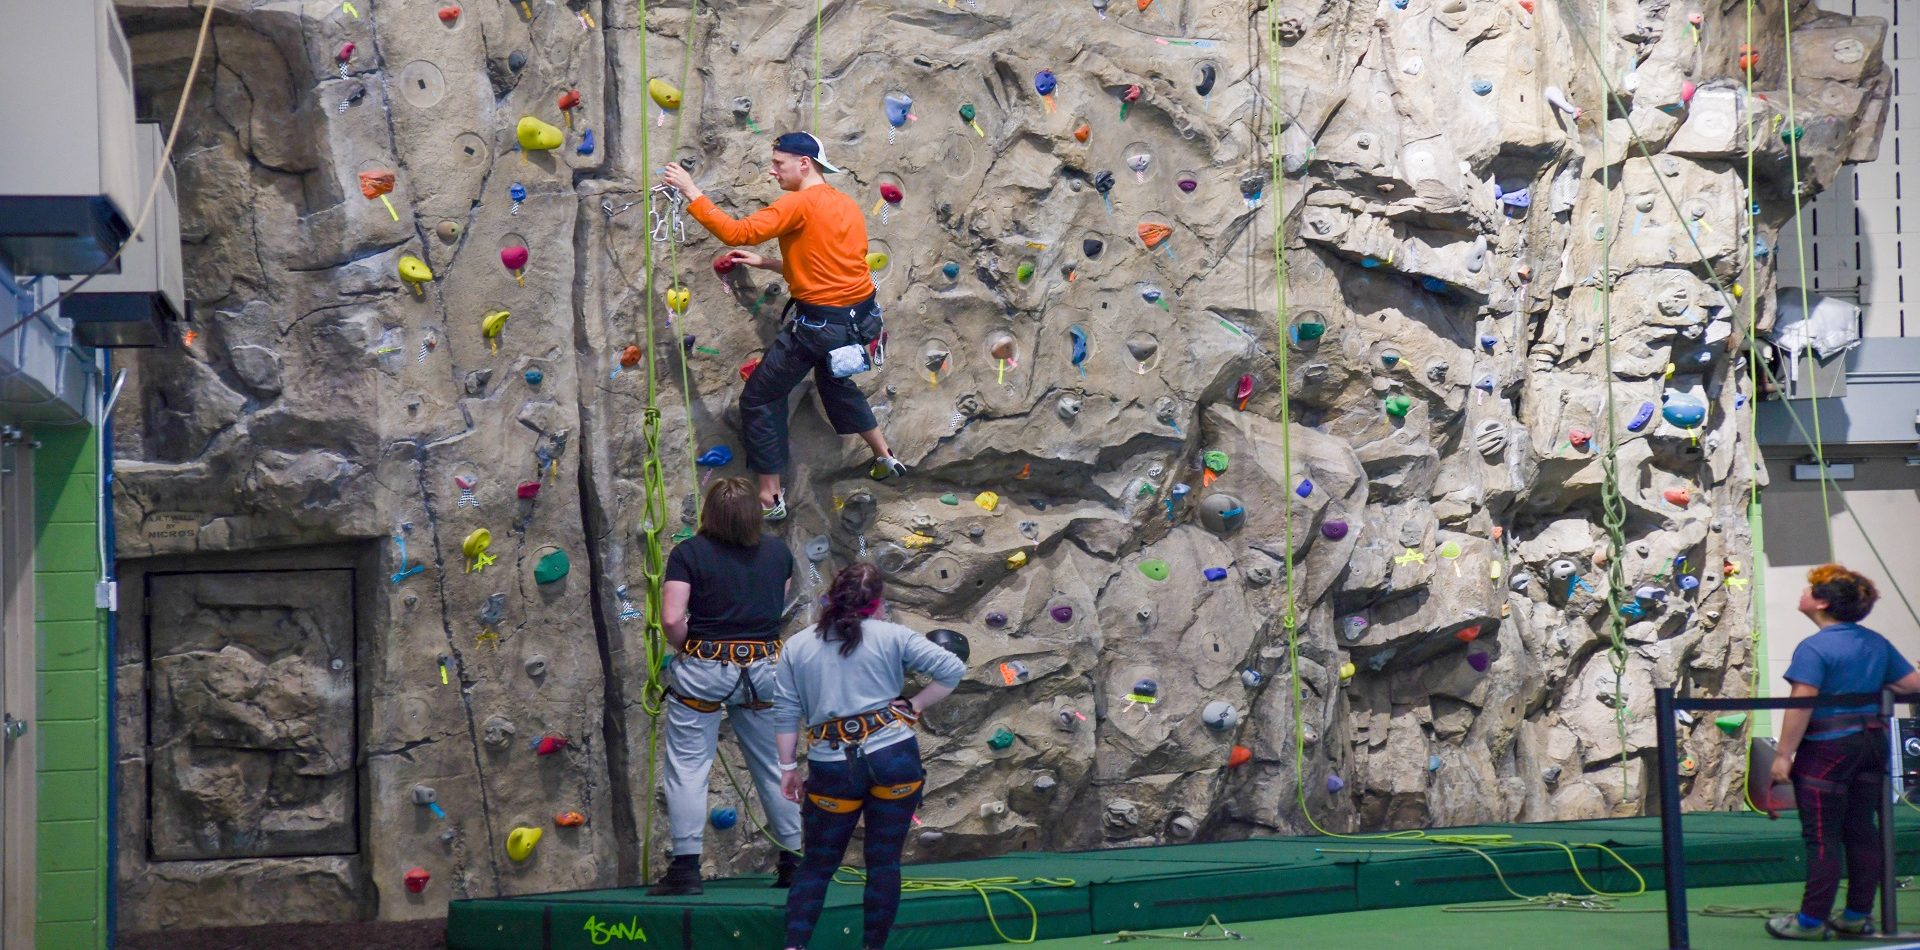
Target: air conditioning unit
(139, 305)
(68, 193)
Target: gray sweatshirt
(816, 684)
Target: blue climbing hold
(951, 269)
(1216, 574)
(1370, 262)
(1399, 4)
(1684, 411)
(1481, 87)
(1305, 488)
(1044, 82)
(1760, 249)
(724, 818)
(1334, 784)
(1180, 492)
(715, 457)
(1740, 401)
(1251, 678)
(533, 377)
(1484, 383)
(1689, 582)
(1488, 341)
(586, 143)
(1078, 335)
(1434, 763)
(1520, 198)
(898, 105)
(1641, 418)
(1433, 284)
(1632, 610)
(517, 192)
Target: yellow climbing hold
(1347, 670)
(520, 842)
(664, 94)
(414, 270)
(1016, 560)
(987, 500)
(491, 327)
(475, 546)
(877, 261)
(1738, 291)
(916, 540)
(678, 298)
(538, 136)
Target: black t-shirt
(738, 593)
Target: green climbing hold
(966, 112)
(1307, 331)
(1215, 461)
(1793, 133)
(1001, 739)
(1024, 272)
(1156, 569)
(552, 567)
(1398, 405)
(949, 499)
(1731, 723)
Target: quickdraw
(671, 226)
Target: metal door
(17, 693)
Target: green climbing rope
(1800, 244)
(1756, 602)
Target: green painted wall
(71, 722)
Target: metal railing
(1672, 845)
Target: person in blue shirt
(1836, 757)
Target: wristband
(789, 766)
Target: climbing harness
(854, 730)
(740, 654)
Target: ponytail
(854, 596)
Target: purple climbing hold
(1479, 662)
(1334, 529)
(1334, 784)
(1518, 198)
(996, 619)
(1216, 574)
(1062, 614)
(1305, 488)
(1641, 418)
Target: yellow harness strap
(894, 793)
(837, 806)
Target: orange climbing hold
(1081, 133)
(1152, 233)
(569, 99)
(375, 183)
(1749, 58)
(448, 14)
(630, 357)
(569, 819)
(1143, 4)
(1240, 756)
(1677, 496)
(1467, 634)
(747, 368)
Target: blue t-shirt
(1845, 658)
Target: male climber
(831, 317)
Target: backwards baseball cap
(803, 143)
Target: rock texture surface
(1455, 186)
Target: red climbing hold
(1240, 756)
(527, 490)
(723, 265)
(747, 368)
(417, 879)
(1132, 94)
(1467, 634)
(373, 184)
(890, 193)
(1749, 58)
(1579, 438)
(1677, 496)
(449, 14)
(548, 745)
(630, 357)
(346, 53)
(569, 99)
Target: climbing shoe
(682, 878)
(885, 467)
(778, 511)
(1787, 927)
(783, 870)
(1847, 925)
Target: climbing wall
(1523, 245)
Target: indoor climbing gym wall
(1327, 416)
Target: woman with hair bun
(842, 680)
(1836, 757)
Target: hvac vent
(139, 305)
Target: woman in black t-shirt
(725, 593)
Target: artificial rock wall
(1081, 308)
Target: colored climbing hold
(877, 261)
(967, 114)
(1215, 461)
(678, 298)
(1398, 405)
(630, 356)
(414, 271)
(1144, 691)
(996, 619)
(1092, 247)
(547, 745)
(569, 100)
(1450, 550)
(1333, 529)
(1749, 58)
(723, 818)
(551, 568)
(1153, 232)
(1641, 417)
(715, 457)
(1215, 575)
(1155, 569)
(1305, 489)
(1335, 784)
(520, 842)
(1688, 582)
(1205, 84)
(1187, 183)
(1434, 763)
(664, 94)
(1579, 438)
(1731, 723)
(951, 270)
(952, 641)
(1793, 133)
(416, 879)
(373, 184)
(491, 326)
(1677, 496)
(1389, 358)
(1479, 661)
(1481, 87)
(1153, 295)
(1684, 411)
(1219, 715)
(475, 545)
(1061, 614)
(1243, 391)
(1240, 756)
(586, 143)
(537, 136)
(1467, 634)
(1016, 560)
(346, 53)
(1347, 670)
(747, 368)
(1001, 738)
(899, 107)
(1306, 331)
(891, 193)
(527, 491)
(1632, 610)
(514, 258)
(1024, 272)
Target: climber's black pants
(1837, 785)
(827, 836)
(802, 348)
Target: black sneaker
(783, 869)
(682, 878)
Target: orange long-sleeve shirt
(823, 241)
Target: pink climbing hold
(1579, 438)
(1687, 89)
(1677, 496)
(346, 53)
(1243, 391)
(890, 193)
